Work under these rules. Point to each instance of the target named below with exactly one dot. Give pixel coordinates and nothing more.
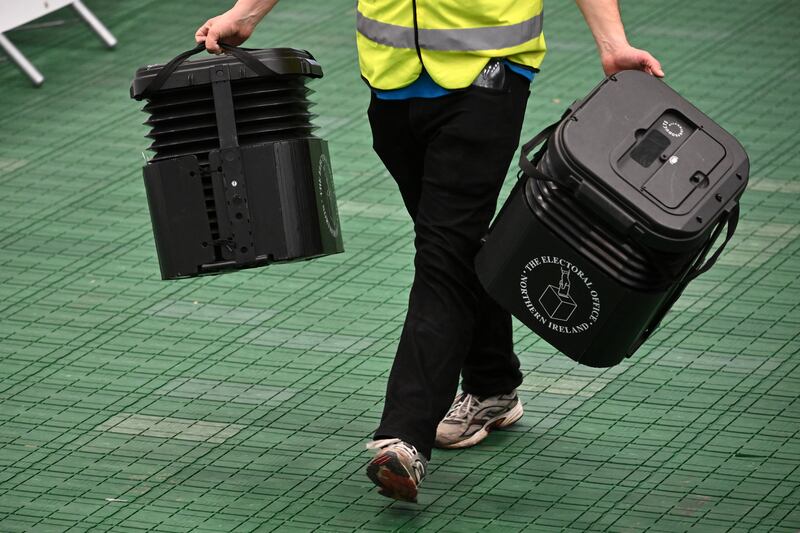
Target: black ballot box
(237, 178)
(633, 194)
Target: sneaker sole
(501, 421)
(392, 478)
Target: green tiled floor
(242, 402)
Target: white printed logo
(327, 200)
(559, 295)
(673, 129)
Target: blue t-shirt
(425, 87)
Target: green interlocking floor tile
(242, 402)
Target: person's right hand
(231, 27)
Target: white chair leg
(95, 24)
(21, 61)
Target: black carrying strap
(731, 221)
(239, 53)
(243, 55)
(527, 166)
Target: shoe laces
(464, 406)
(380, 444)
(402, 446)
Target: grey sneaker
(397, 469)
(470, 419)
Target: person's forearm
(605, 22)
(252, 11)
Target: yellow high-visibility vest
(453, 39)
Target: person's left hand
(630, 58)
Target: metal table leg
(94, 23)
(21, 61)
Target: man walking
(450, 81)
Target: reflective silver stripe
(383, 33)
(461, 40)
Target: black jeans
(449, 156)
